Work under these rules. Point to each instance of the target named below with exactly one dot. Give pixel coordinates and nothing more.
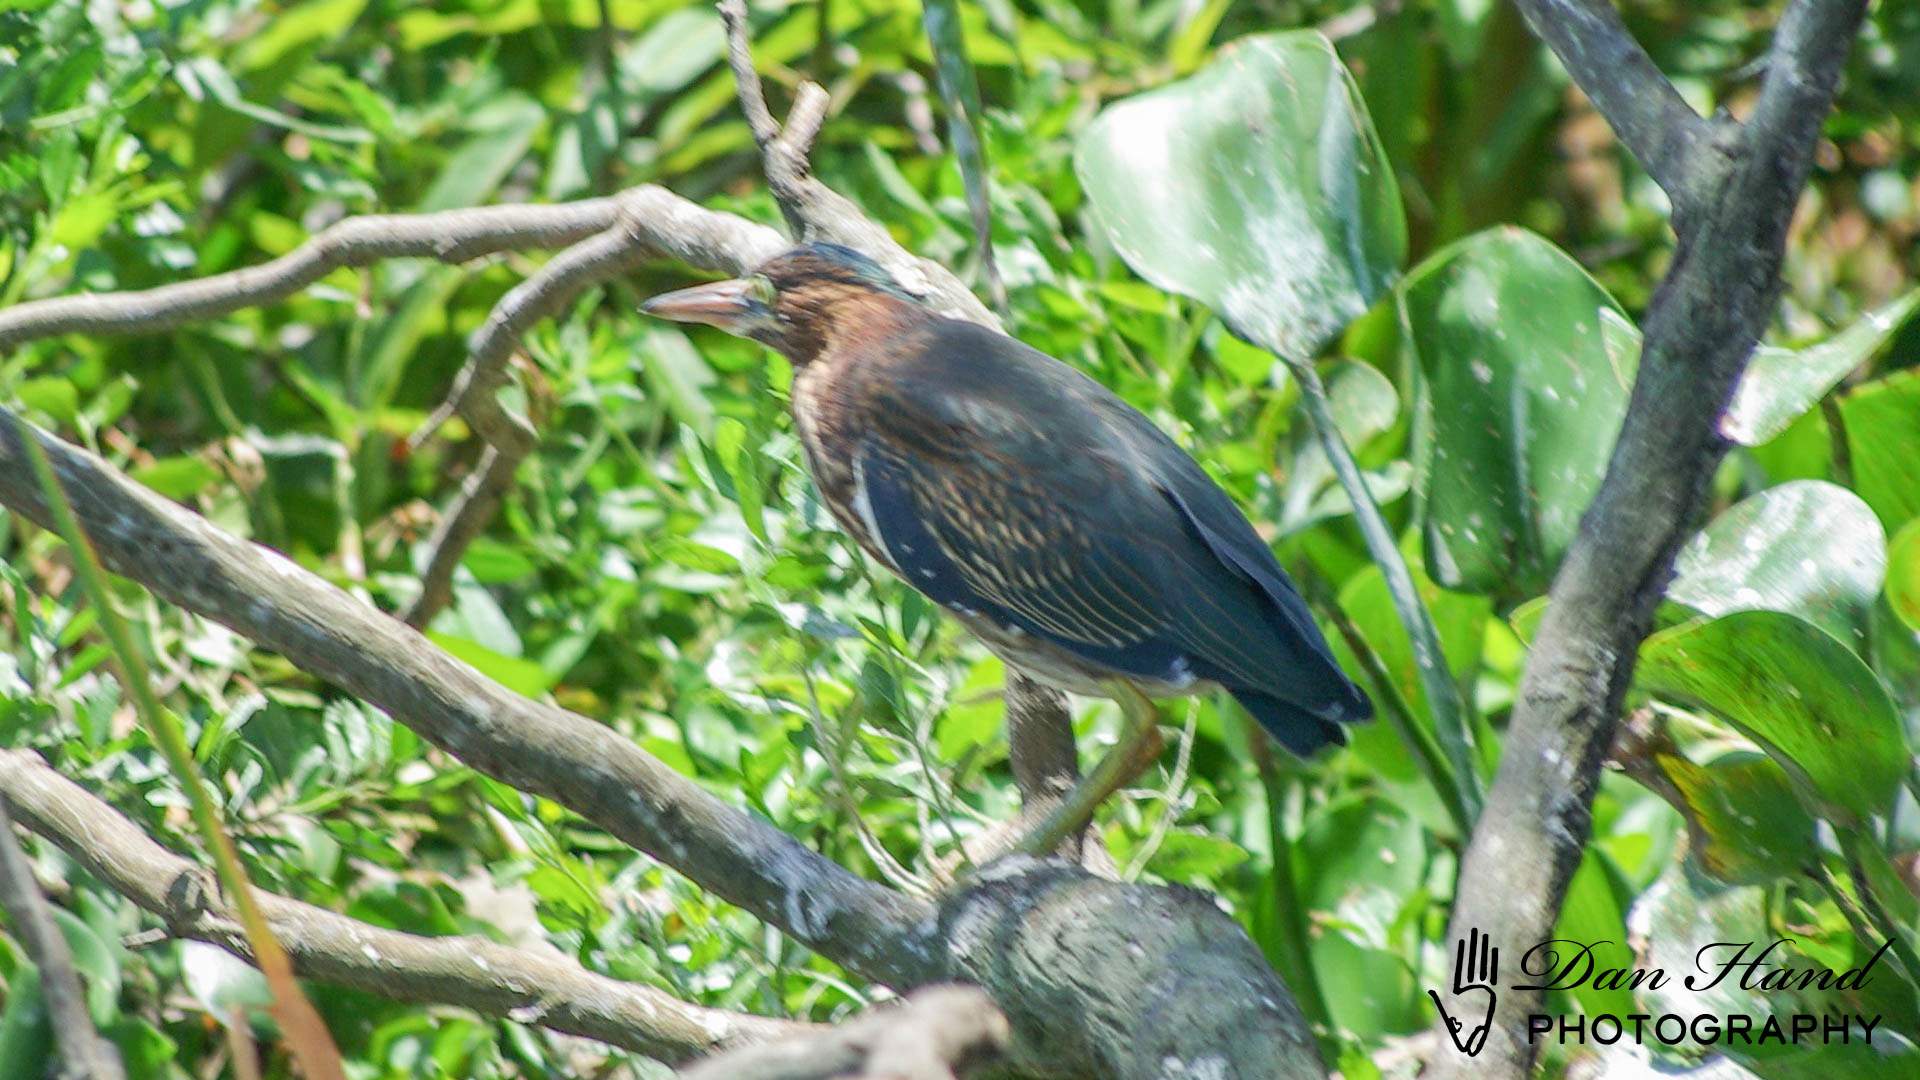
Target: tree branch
(1646, 112)
(451, 236)
(1708, 313)
(83, 1052)
(649, 221)
(937, 1034)
(498, 980)
(1085, 969)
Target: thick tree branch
(1646, 112)
(83, 1053)
(485, 976)
(1098, 978)
(1700, 329)
(937, 1034)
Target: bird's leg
(1139, 745)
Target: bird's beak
(725, 304)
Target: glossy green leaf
(1809, 548)
(1903, 574)
(960, 97)
(1364, 404)
(521, 676)
(1799, 694)
(1527, 363)
(1780, 384)
(1256, 186)
(1744, 825)
(1883, 439)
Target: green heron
(1054, 520)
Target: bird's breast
(829, 433)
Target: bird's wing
(1001, 481)
(981, 510)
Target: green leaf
(1363, 404)
(1527, 364)
(1808, 548)
(1883, 439)
(294, 27)
(1799, 694)
(1903, 574)
(521, 676)
(51, 395)
(1257, 186)
(1744, 826)
(960, 97)
(1780, 384)
(492, 562)
(177, 477)
(503, 134)
(94, 960)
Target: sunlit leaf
(1883, 439)
(1527, 363)
(1256, 186)
(1799, 694)
(1808, 548)
(1780, 384)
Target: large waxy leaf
(1883, 439)
(1744, 826)
(1799, 694)
(1528, 364)
(1780, 384)
(1808, 548)
(1257, 187)
(1903, 574)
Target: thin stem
(1418, 740)
(307, 1036)
(1296, 957)
(1443, 696)
(1853, 845)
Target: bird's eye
(761, 289)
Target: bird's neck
(847, 327)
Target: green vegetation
(1433, 234)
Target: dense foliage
(663, 565)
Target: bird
(1063, 528)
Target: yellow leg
(1139, 745)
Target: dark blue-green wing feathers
(1004, 484)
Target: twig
(451, 236)
(1709, 311)
(641, 230)
(1646, 112)
(82, 1051)
(550, 989)
(937, 1034)
(816, 211)
(307, 1035)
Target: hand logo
(1476, 971)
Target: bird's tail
(1303, 730)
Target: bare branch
(1049, 942)
(83, 1053)
(1706, 316)
(1646, 112)
(451, 236)
(650, 221)
(550, 990)
(816, 211)
(937, 1034)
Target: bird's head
(798, 303)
